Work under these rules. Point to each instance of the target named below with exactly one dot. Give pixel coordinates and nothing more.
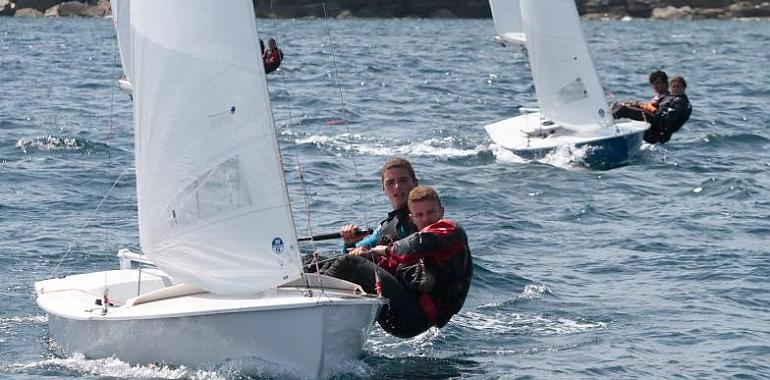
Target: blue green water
(658, 269)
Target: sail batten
(568, 89)
(214, 210)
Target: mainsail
(121, 16)
(568, 88)
(508, 25)
(214, 210)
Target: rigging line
(109, 145)
(297, 159)
(342, 103)
(82, 228)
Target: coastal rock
(7, 8)
(346, 13)
(28, 12)
(672, 13)
(41, 5)
(78, 9)
(442, 13)
(749, 9)
(52, 11)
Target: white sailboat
(573, 110)
(214, 217)
(121, 18)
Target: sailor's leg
(629, 113)
(403, 316)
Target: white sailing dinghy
(573, 110)
(121, 18)
(214, 217)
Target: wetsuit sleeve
(418, 258)
(674, 114)
(368, 242)
(437, 241)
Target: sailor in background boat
(659, 83)
(666, 117)
(272, 57)
(425, 276)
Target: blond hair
(423, 193)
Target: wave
(504, 324)
(342, 144)
(739, 139)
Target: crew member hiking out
(425, 276)
(668, 117)
(272, 57)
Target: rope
(297, 159)
(82, 228)
(342, 102)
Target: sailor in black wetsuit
(425, 276)
(398, 179)
(668, 117)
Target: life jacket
(272, 60)
(396, 226)
(437, 263)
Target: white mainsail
(568, 88)
(508, 24)
(214, 210)
(121, 16)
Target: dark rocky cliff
(611, 9)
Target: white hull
(281, 329)
(531, 132)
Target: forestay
(121, 16)
(214, 211)
(508, 25)
(568, 89)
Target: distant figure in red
(272, 57)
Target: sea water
(658, 269)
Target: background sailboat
(214, 216)
(121, 18)
(573, 108)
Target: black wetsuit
(426, 277)
(672, 112)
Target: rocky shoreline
(590, 9)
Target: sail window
(220, 190)
(574, 90)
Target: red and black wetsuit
(272, 59)
(426, 277)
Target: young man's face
(424, 213)
(397, 183)
(660, 85)
(677, 88)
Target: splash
(534, 291)
(112, 367)
(383, 344)
(505, 156)
(48, 143)
(567, 157)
